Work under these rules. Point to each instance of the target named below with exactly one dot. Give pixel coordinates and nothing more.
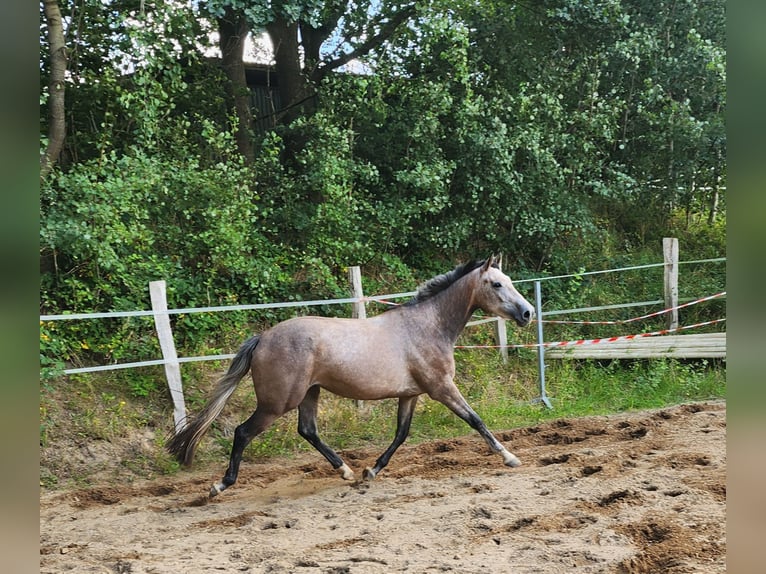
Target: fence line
(619, 269)
(576, 342)
(158, 362)
(215, 309)
(642, 317)
(348, 300)
(367, 298)
(171, 361)
(149, 363)
(224, 357)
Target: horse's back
(357, 358)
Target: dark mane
(434, 286)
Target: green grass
(505, 396)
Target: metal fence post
(540, 348)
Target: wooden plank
(712, 339)
(706, 345)
(158, 295)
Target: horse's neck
(453, 308)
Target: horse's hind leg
(258, 422)
(307, 428)
(403, 420)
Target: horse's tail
(183, 444)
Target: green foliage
(110, 229)
(327, 185)
(569, 136)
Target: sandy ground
(642, 492)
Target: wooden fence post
(158, 295)
(501, 331)
(358, 310)
(670, 254)
(501, 336)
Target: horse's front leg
(450, 396)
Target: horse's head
(496, 295)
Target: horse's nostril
(527, 314)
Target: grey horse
(404, 352)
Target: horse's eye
(496, 285)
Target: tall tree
(56, 87)
(310, 39)
(233, 29)
(299, 61)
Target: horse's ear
(488, 262)
(499, 261)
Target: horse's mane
(440, 283)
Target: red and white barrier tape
(629, 337)
(655, 314)
(594, 341)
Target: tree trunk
(233, 29)
(299, 83)
(295, 91)
(56, 87)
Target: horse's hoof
(345, 472)
(368, 474)
(511, 460)
(216, 489)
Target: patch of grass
(147, 464)
(588, 387)
(505, 395)
(96, 423)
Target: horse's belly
(366, 380)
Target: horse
(404, 352)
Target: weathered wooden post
(670, 254)
(358, 309)
(501, 332)
(158, 295)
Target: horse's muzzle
(525, 317)
(521, 314)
